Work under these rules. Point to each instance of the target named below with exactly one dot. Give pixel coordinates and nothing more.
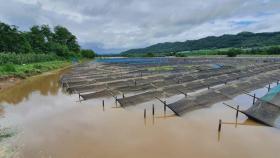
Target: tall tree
(65, 37)
(11, 40)
(37, 39)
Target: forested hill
(240, 40)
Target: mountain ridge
(240, 40)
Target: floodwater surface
(50, 123)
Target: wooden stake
(103, 105)
(220, 125)
(116, 101)
(164, 106)
(254, 98)
(145, 113)
(153, 109)
(237, 111)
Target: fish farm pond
(198, 107)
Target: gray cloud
(115, 25)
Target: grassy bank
(24, 70)
(13, 58)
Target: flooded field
(61, 113)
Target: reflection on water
(247, 122)
(46, 84)
(1, 110)
(53, 124)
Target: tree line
(231, 52)
(241, 40)
(41, 40)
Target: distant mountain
(240, 40)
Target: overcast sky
(116, 25)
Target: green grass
(25, 70)
(160, 68)
(13, 58)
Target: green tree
(11, 40)
(87, 53)
(41, 40)
(37, 39)
(149, 55)
(60, 50)
(65, 37)
(233, 52)
(273, 50)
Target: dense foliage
(13, 58)
(88, 53)
(231, 52)
(39, 40)
(241, 40)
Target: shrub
(37, 66)
(87, 53)
(180, 55)
(13, 58)
(9, 68)
(60, 50)
(149, 55)
(233, 52)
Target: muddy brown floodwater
(51, 123)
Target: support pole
(220, 125)
(116, 101)
(269, 87)
(153, 110)
(144, 113)
(103, 105)
(237, 111)
(254, 98)
(164, 106)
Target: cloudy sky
(110, 26)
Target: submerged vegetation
(6, 133)
(6, 150)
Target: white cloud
(123, 24)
